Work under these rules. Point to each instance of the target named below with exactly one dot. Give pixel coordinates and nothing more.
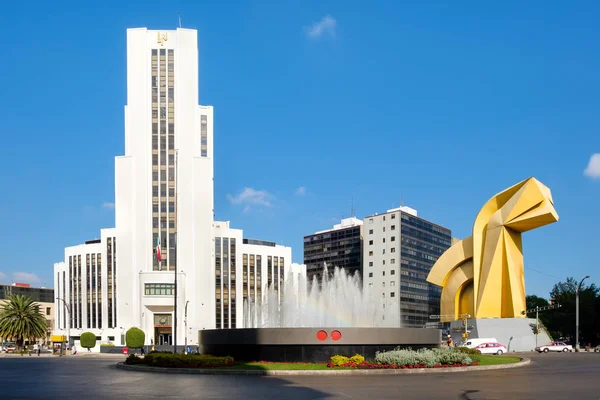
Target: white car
(555, 346)
(491, 348)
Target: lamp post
(577, 289)
(69, 326)
(185, 321)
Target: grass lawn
(278, 366)
(489, 359)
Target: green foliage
(357, 359)
(87, 340)
(427, 357)
(135, 338)
(160, 359)
(20, 319)
(533, 301)
(107, 345)
(338, 361)
(465, 350)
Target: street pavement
(549, 376)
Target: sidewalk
(79, 355)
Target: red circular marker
(336, 335)
(321, 335)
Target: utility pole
(185, 320)
(70, 321)
(464, 317)
(537, 310)
(577, 290)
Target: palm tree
(20, 319)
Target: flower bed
(406, 359)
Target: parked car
(492, 348)
(9, 347)
(555, 346)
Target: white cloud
(593, 168)
(301, 191)
(109, 205)
(325, 26)
(25, 277)
(252, 197)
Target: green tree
(135, 338)
(87, 340)
(534, 301)
(20, 319)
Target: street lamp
(577, 289)
(68, 327)
(185, 321)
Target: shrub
(357, 359)
(423, 357)
(471, 352)
(87, 340)
(338, 361)
(159, 359)
(107, 345)
(135, 338)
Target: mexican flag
(158, 256)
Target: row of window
(159, 289)
(393, 216)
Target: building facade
(399, 251)
(163, 206)
(338, 247)
(44, 297)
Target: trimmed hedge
(87, 340)
(426, 357)
(135, 338)
(471, 352)
(159, 359)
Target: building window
(371, 253)
(370, 231)
(392, 283)
(393, 216)
(47, 310)
(393, 272)
(370, 220)
(383, 251)
(393, 238)
(383, 273)
(393, 227)
(159, 289)
(393, 250)
(393, 294)
(384, 228)
(384, 217)
(393, 261)
(370, 243)
(370, 263)
(383, 240)
(370, 274)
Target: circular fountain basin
(312, 344)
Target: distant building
(399, 251)
(43, 296)
(338, 247)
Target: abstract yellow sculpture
(483, 275)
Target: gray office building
(399, 250)
(338, 247)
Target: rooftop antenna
(179, 16)
(352, 208)
(402, 198)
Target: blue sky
(316, 103)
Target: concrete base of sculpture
(517, 334)
(311, 344)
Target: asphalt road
(573, 376)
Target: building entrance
(163, 330)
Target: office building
(399, 251)
(44, 297)
(163, 217)
(338, 247)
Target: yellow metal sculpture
(483, 275)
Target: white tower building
(163, 202)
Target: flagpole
(176, 261)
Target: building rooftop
(345, 223)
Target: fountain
(319, 319)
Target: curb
(194, 371)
